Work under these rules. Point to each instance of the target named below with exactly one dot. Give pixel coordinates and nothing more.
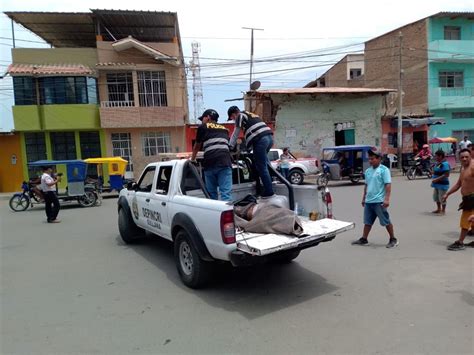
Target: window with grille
(24, 88)
(154, 143)
(90, 144)
(393, 139)
(35, 144)
(152, 88)
(355, 73)
(122, 147)
(120, 87)
(451, 79)
(452, 33)
(63, 145)
(460, 115)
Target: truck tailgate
(314, 232)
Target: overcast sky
(289, 27)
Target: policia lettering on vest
(217, 163)
(259, 137)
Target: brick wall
(382, 65)
(177, 142)
(116, 117)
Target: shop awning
(417, 122)
(442, 140)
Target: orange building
(11, 162)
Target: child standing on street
(376, 199)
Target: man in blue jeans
(259, 137)
(376, 199)
(217, 164)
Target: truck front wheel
(194, 271)
(129, 231)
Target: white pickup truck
(299, 167)
(170, 200)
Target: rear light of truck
(316, 162)
(228, 227)
(328, 200)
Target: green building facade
(451, 74)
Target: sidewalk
(6, 196)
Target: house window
(122, 147)
(120, 87)
(35, 144)
(393, 139)
(457, 115)
(155, 142)
(25, 90)
(66, 90)
(63, 145)
(92, 91)
(355, 73)
(152, 88)
(451, 79)
(452, 33)
(90, 144)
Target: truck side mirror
(132, 185)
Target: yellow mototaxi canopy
(116, 165)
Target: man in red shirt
(425, 155)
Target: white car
(299, 167)
(170, 201)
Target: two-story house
(113, 84)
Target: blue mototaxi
(344, 162)
(77, 188)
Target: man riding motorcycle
(425, 155)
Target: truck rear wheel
(194, 271)
(129, 231)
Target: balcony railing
(117, 104)
(465, 91)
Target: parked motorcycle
(28, 197)
(419, 170)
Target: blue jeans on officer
(219, 177)
(260, 155)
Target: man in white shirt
(464, 143)
(48, 186)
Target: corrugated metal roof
(79, 29)
(325, 90)
(49, 69)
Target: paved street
(75, 287)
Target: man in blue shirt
(376, 199)
(440, 182)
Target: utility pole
(251, 49)
(13, 34)
(400, 103)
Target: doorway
(345, 137)
(419, 138)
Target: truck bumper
(239, 258)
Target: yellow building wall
(11, 175)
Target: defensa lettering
(151, 215)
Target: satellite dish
(255, 85)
